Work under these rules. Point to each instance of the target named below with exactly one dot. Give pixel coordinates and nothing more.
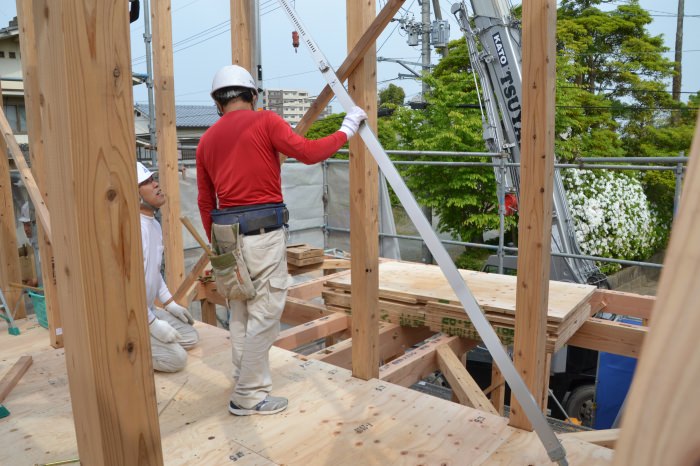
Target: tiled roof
(190, 116)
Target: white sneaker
(270, 405)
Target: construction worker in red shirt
(239, 182)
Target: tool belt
(253, 219)
(230, 271)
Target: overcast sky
(201, 37)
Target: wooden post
(364, 193)
(536, 175)
(10, 271)
(241, 34)
(96, 233)
(166, 135)
(659, 425)
(29, 47)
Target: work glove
(180, 312)
(163, 331)
(352, 120)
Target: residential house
(11, 81)
(191, 121)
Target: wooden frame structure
(82, 65)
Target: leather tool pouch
(253, 218)
(230, 271)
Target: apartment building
(290, 104)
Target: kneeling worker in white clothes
(171, 328)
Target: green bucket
(39, 303)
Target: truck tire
(581, 404)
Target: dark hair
(226, 94)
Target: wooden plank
(242, 33)
(628, 304)
(303, 251)
(96, 236)
(659, 425)
(306, 261)
(10, 270)
(536, 183)
(463, 385)
(611, 337)
(353, 59)
(605, 438)
(422, 361)
(9, 380)
(364, 198)
(416, 282)
(32, 43)
(330, 264)
(325, 326)
(166, 135)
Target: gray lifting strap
(551, 443)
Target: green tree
(391, 96)
(463, 197)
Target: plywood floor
(333, 419)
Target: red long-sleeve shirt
(237, 161)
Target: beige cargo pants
(255, 324)
(172, 357)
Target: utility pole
(425, 44)
(678, 75)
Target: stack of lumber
(418, 295)
(303, 256)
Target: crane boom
(495, 55)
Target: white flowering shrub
(612, 215)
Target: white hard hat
(142, 173)
(24, 215)
(230, 76)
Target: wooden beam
(353, 59)
(605, 438)
(611, 337)
(536, 182)
(364, 194)
(242, 33)
(497, 389)
(663, 396)
(422, 361)
(8, 382)
(298, 312)
(42, 214)
(32, 43)
(10, 270)
(463, 385)
(302, 334)
(208, 312)
(96, 236)
(629, 304)
(184, 291)
(166, 135)
(394, 340)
